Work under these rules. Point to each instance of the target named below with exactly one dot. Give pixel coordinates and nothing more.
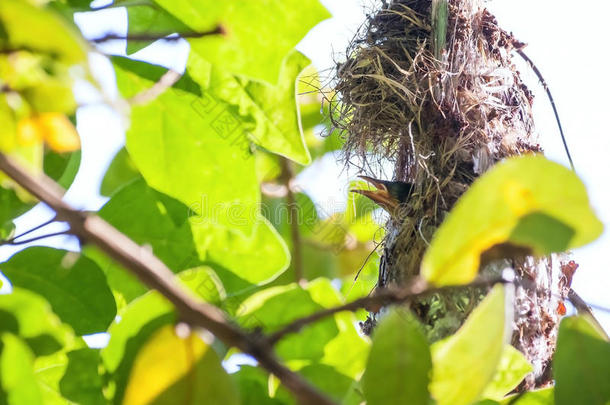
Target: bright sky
(565, 43)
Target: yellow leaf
(59, 133)
(527, 202)
(54, 128)
(169, 369)
(28, 131)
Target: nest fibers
(430, 86)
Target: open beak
(381, 196)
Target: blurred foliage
(204, 182)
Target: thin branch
(13, 242)
(416, 290)
(550, 96)
(37, 227)
(168, 36)
(295, 234)
(165, 82)
(583, 308)
(153, 272)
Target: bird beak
(381, 196)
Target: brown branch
(153, 272)
(168, 36)
(584, 309)
(416, 290)
(293, 218)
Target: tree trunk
(430, 86)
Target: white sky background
(567, 43)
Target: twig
(13, 242)
(550, 96)
(583, 308)
(37, 227)
(293, 218)
(153, 272)
(165, 82)
(382, 298)
(168, 36)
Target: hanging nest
(430, 87)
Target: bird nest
(430, 86)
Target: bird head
(389, 195)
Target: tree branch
(168, 36)
(416, 290)
(153, 272)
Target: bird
(389, 195)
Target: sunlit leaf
(18, 381)
(170, 369)
(139, 320)
(466, 362)
(249, 29)
(148, 18)
(275, 307)
(74, 286)
(207, 164)
(278, 127)
(527, 202)
(29, 316)
(399, 364)
(121, 172)
(581, 364)
(40, 30)
(512, 369)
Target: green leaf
(17, 373)
(11, 206)
(275, 110)
(188, 156)
(149, 19)
(466, 362)
(177, 134)
(253, 384)
(121, 172)
(274, 307)
(581, 364)
(241, 262)
(161, 223)
(512, 369)
(526, 202)
(40, 30)
(258, 36)
(185, 370)
(62, 167)
(82, 382)
(347, 352)
(399, 364)
(139, 320)
(74, 286)
(328, 380)
(29, 316)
